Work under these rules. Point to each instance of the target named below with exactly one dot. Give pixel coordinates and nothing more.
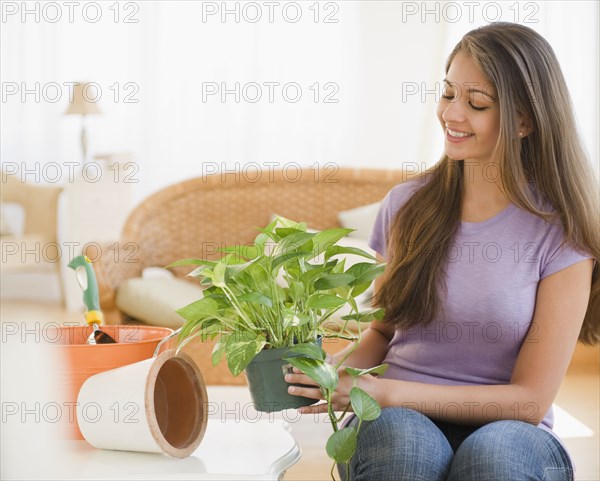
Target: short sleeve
(560, 257)
(378, 238)
(390, 206)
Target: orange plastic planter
(81, 360)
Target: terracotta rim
(176, 403)
(159, 336)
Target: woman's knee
(400, 444)
(510, 450)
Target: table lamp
(83, 103)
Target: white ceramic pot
(158, 405)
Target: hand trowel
(86, 278)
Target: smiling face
(469, 112)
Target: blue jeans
(403, 444)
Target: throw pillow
(154, 299)
(12, 219)
(361, 218)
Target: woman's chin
(452, 157)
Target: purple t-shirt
(493, 271)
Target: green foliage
(277, 292)
(341, 445)
(363, 405)
(318, 370)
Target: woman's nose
(453, 113)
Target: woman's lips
(456, 136)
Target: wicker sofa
(196, 217)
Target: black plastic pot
(268, 387)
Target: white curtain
(374, 64)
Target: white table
(239, 443)
(229, 451)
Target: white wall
(373, 53)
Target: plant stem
(336, 336)
(331, 472)
(330, 412)
(344, 413)
(236, 305)
(352, 349)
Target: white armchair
(31, 255)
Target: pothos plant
(279, 292)
(341, 445)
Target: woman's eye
(477, 108)
(450, 97)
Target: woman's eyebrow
(471, 89)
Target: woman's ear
(525, 125)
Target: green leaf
(201, 329)
(332, 281)
(355, 372)
(293, 318)
(233, 259)
(335, 250)
(253, 274)
(366, 316)
(191, 262)
(290, 319)
(326, 238)
(352, 303)
(206, 281)
(324, 301)
(294, 241)
(217, 352)
(218, 277)
(365, 272)
(244, 251)
(341, 445)
(268, 232)
(310, 350)
(201, 272)
(188, 328)
(277, 261)
(297, 290)
(240, 352)
(339, 267)
(260, 241)
(363, 405)
(357, 290)
(312, 273)
(237, 269)
(198, 309)
(287, 231)
(289, 223)
(319, 371)
(256, 297)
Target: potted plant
(269, 305)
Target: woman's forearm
(370, 352)
(460, 404)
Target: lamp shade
(84, 102)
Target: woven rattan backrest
(197, 217)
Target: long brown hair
(523, 67)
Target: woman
(491, 278)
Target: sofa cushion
(12, 219)
(361, 218)
(154, 299)
(29, 253)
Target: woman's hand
(340, 398)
